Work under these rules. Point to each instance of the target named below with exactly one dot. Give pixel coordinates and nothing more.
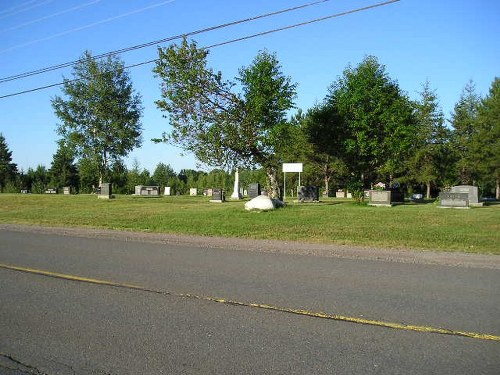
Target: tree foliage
(366, 121)
(8, 169)
(100, 114)
(464, 121)
(221, 127)
(63, 171)
(431, 150)
(485, 145)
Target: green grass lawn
(422, 226)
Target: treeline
(82, 178)
(366, 131)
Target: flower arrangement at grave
(379, 186)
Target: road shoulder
(454, 259)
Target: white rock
(263, 203)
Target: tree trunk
(428, 194)
(272, 180)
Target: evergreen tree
(463, 121)
(485, 145)
(63, 171)
(429, 162)
(8, 169)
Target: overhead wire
(52, 15)
(159, 41)
(88, 26)
(224, 43)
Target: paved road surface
(57, 326)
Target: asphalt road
(173, 324)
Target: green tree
(8, 169)
(220, 127)
(39, 179)
(431, 150)
(463, 121)
(63, 171)
(366, 121)
(485, 145)
(100, 116)
(89, 176)
(163, 174)
(119, 175)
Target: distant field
(333, 221)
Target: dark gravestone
(308, 193)
(105, 192)
(218, 195)
(454, 200)
(254, 190)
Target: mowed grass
(411, 226)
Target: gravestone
(66, 190)
(254, 190)
(308, 193)
(340, 193)
(147, 191)
(471, 191)
(385, 198)
(105, 191)
(193, 192)
(218, 196)
(51, 191)
(453, 200)
(167, 191)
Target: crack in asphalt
(24, 367)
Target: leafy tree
(485, 145)
(119, 175)
(63, 171)
(100, 116)
(365, 121)
(8, 169)
(430, 160)
(463, 121)
(88, 172)
(163, 174)
(220, 127)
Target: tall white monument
(236, 191)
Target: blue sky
(447, 42)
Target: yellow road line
(322, 315)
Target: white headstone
(167, 190)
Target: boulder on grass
(263, 203)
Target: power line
(88, 26)
(149, 44)
(224, 43)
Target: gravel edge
(454, 259)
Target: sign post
(290, 167)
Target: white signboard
(292, 167)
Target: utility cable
(221, 44)
(156, 42)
